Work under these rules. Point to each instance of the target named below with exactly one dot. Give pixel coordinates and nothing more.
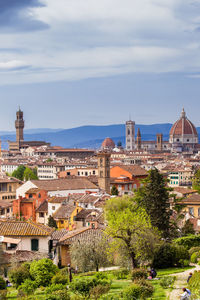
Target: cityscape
(99, 150)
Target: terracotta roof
(43, 207)
(58, 234)
(64, 211)
(195, 198)
(24, 228)
(183, 126)
(135, 170)
(83, 234)
(64, 184)
(87, 213)
(184, 191)
(32, 191)
(108, 143)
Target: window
(34, 245)
(10, 188)
(101, 162)
(191, 210)
(8, 210)
(93, 172)
(53, 207)
(61, 222)
(41, 215)
(39, 195)
(178, 140)
(101, 174)
(30, 196)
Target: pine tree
(154, 197)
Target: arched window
(128, 132)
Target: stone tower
(159, 142)
(139, 140)
(104, 171)
(130, 135)
(19, 125)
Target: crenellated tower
(19, 125)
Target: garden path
(181, 282)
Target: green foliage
(29, 175)
(28, 286)
(101, 275)
(3, 294)
(154, 198)
(52, 222)
(99, 290)
(114, 191)
(169, 255)
(89, 255)
(194, 283)
(121, 273)
(57, 292)
(54, 287)
(193, 250)
(83, 286)
(184, 262)
(196, 181)
(130, 229)
(2, 283)
(188, 228)
(19, 172)
(138, 274)
(167, 281)
(189, 241)
(19, 274)
(42, 271)
(59, 278)
(140, 290)
(194, 257)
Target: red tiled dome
(183, 126)
(108, 143)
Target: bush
(83, 286)
(3, 294)
(19, 274)
(169, 255)
(58, 295)
(194, 282)
(42, 271)
(184, 262)
(189, 241)
(148, 288)
(167, 281)
(138, 274)
(194, 257)
(28, 286)
(101, 275)
(193, 250)
(99, 290)
(138, 291)
(59, 278)
(53, 288)
(2, 284)
(121, 273)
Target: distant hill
(89, 136)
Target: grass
(171, 271)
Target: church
(183, 137)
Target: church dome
(183, 131)
(108, 143)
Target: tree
(130, 228)
(29, 174)
(52, 222)
(89, 254)
(19, 172)
(114, 191)
(188, 228)
(196, 181)
(154, 198)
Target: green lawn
(170, 271)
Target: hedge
(189, 241)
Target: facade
(49, 170)
(104, 171)
(130, 135)
(8, 187)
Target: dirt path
(181, 281)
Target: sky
(69, 63)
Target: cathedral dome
(108, 143)
(183, 131)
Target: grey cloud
(14, 16)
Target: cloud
(13, 65)
(16, 15)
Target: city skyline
(69, 64)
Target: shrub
(2, 284)
(148, 288)
(101, 275)
(194, 257)
(169, 256)
(184, 262)
(121, 273)
(59, 278)
(58, 295)
(138, 291)
(167, 281)
(42, 271)
(189, 241)
(84, 285)
(53, 288)
(194, 283)
(99, 290)
(193, 250)
(28, 286)
(138, 274)
(3, 294)
(19, 274)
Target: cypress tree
(154, 198)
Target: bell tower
(104, 171)
(19, 125)
(139, 140)
(130, 135)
